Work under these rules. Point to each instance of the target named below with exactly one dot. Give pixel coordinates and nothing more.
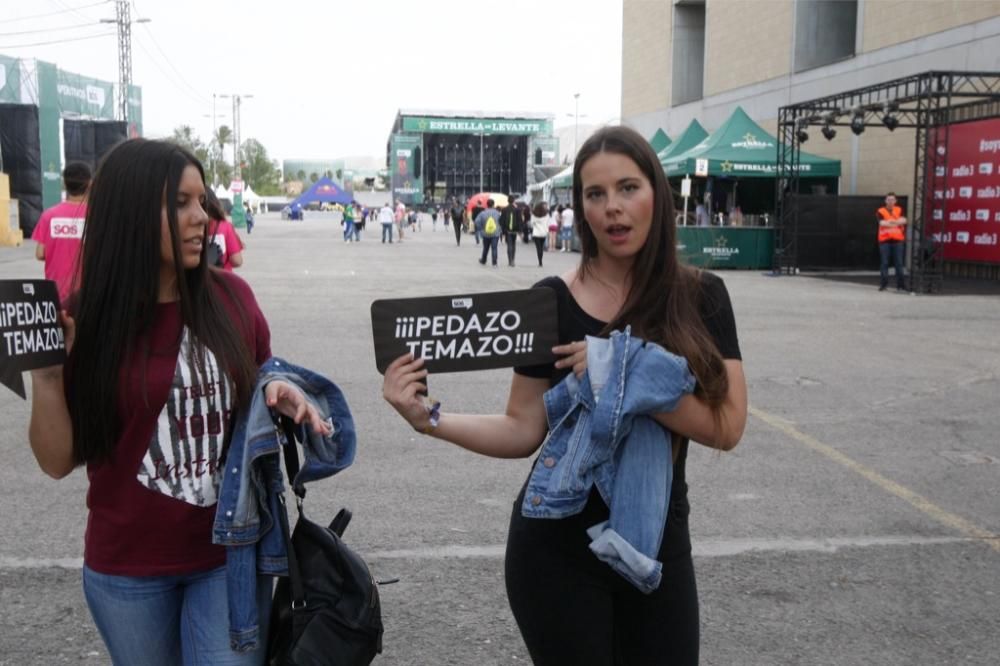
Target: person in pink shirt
(222, 233)
(60, 229)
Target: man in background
(387, 219)
(60, 230)
(510, 222)
(891, 242)
(488, 226)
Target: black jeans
(893, 249)
(572, 608)
(539, 247)
(511, 246)
(458, 232)
(488, 245)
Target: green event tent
(689, 138)
(564, 178)
(659, 141)
(741, 148)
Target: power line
(73, 10)
(167, 75)
(180, 77)
(58, 41)
(55, 13)
(59, 29)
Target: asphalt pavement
(856, 523)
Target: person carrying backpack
(510, 222)
(488, 226)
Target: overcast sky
(326, 81)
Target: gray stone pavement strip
(802, 558)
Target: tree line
(257, 169)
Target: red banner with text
(969, 206)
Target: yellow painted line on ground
(912, 498)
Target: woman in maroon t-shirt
(162, 350)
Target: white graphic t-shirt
(183, 456)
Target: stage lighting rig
(888, 119)
(858, 122)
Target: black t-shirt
(574, 324)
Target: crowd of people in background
(549, 230)
(490, 226)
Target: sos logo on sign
(67, 227)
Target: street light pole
(215, 173)
(576, 123)
(237, 102)
(481, 162)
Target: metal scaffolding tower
(123, 21)
(929, 103)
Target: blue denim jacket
(601, 433)
(245, 518)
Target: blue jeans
(490, 245)
(357, 232)
(893, 249)
(348, 229)
(387, 231)
(168, 620)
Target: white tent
(249, 196)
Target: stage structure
(50, 116)
(433, 155)
(955, 208)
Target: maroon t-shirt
(152, 506)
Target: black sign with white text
(467, 332)
(30, 334)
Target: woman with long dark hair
(571, 607)
(162, 350)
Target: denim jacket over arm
(245, 518)
(601, 433)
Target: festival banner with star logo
(725, 247)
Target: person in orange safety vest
(891, 242)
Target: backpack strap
(290, 453)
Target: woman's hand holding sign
(404, 390)
(55, 372)
(574, 356)
(50, 430)
(515, 434)
(462, 333)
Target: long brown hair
(662, 302)
(118, 295)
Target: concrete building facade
(698, 59)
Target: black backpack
(327, 611)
